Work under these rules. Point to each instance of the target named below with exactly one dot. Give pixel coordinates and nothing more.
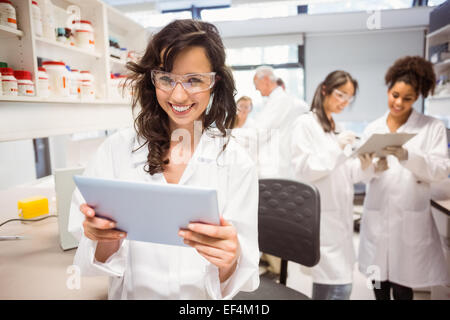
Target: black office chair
(289, 228)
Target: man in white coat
(274, 124)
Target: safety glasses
(192, 82)
(343, 97)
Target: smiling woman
(182, 87)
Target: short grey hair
(263, 71)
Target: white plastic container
(37, 20)
(73, 83)
(77, 84)
(58, 78)
(43, 83)
(7, 14)
(84, 34)
(9, 82)
(87, 90)
(48, 19)
(25, 84)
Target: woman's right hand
(381, 165)
(99, 229)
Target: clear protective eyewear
(191, 82)
(343, 97)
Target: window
(156, 20)
(435, 2)
(284, 59)
(250, 11)
(357, 5)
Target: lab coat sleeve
(431, 164)
(100, 166)
(241, 210)
(311, 161)
(357, 174)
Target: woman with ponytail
(399, 246)
(320, 149)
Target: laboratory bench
(37, 268)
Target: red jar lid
(22, 74)
(7, 71)
(81, 21)
(5, 1)
(53, 63)
(42, 69)
(34, 2)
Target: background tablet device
(147, 211)
(378, 141)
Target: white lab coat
(399, 241)
(141, 270)
(318, 159)
(274, 124)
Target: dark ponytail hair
(152, 122)
(333, 80)
(415, 71)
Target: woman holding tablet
(400, 247)
(319, 156)
(182, 88)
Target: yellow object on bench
(33, 207)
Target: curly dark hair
(415, 71)
(152, 122)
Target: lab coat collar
(204, 153)
(408, 125)
(276, 92)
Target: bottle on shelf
(8, 14)
(58, 78)
(9, 82)
(37, 19)
(25, 84)
(87, 86)
(84, 34)
(43, 83)
(48, 20)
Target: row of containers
(77, 32)
(57, 80)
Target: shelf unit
(32, 117)
(438, 105)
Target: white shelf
(117, 61)
(439, 32)
(439, 98)
(34, 118)
(24, 117)
(67, 47)
(6, 32)
(61, 100)
(441, 66)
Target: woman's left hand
(217, 244)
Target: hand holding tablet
(145, 211)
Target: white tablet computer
(378, 141)
(150, 212)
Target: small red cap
(42, 69)
(53, 63)
(22, 74)
(6, 71)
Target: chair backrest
(289, 220)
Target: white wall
(16, 163)
(366, 56)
